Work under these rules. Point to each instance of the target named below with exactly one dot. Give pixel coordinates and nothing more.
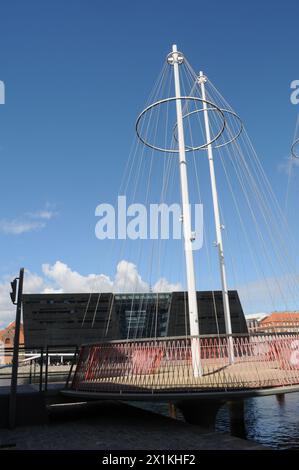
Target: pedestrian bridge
(162, 368)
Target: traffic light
(13, 294)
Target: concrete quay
(115, 426)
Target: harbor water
(272, 420)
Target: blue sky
(77, 74)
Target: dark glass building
(74, 319)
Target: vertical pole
(71, 368)
(41, 370)
(176, 59)
(46, 369)
(228, 327)
(15, 360)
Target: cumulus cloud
(59, 278)
(162, 285)
(127, 279)
(66, 280)
(32, 283)
(6, 307)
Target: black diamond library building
(75, 319)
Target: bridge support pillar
(280, 397)
(172, 410)
(237, 418)
(201, 412)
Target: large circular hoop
(293, 149)
(187, 149)
(213, 109)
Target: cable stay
(191, 147)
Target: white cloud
(32, 283)
(59, 278)
(162, 285)
(66, 280)
(127, 279)
(6, 307)
(43, 214)
(17, 227)
(29, 222)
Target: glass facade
(142, 315)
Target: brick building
(280, 322)
(7, 340)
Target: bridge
(161, 369)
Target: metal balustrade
(164, 365)
(35, 367)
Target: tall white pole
(176, 59)
(228, 327)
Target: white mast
(228, 327)
(175, 59)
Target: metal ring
(213, 109)
(180, 57)
(187, 149)
(293, 149)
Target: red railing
(165, 365)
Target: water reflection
(272, 421)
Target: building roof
(256, 316)
(281, 317)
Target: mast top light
(175, 57)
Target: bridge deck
(166, 366)
(228, 376)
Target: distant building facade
(7, 336)
(74, 319)
(276, 322)
(280, 322)
(253, 321)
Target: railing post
(46, 371)
(41, 370)
(30, 373)
(71, 369)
